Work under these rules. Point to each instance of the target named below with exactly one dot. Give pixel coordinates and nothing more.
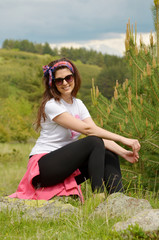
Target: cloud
(64, 20)
(113, 44)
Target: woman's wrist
(126, 141)
(122, 152)
(113, 146)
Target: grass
(75, 227)
(82, 225)
(13, 163)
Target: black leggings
(88, 155)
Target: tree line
(85, 56)
(27, 46)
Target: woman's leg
(56, 166)
(112, 173)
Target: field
(84, 225)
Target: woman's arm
(127, 155)
(88, 127)
(114, 147)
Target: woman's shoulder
(53, 104)
(77, 100)
(52, 101)
(80, 103)
(53, 108)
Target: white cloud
(113, 44)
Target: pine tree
(134, 110)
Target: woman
(60, 161)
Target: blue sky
(88, 23)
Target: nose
(64, 82)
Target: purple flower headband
(50, 70)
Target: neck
(68, 99)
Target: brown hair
(53, 92)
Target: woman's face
(64, 86)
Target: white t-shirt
(54, 136)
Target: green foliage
(115, 68)
(15, 119)
(135, 232)
(87, 72)
(4, 136)
(133, 111)
(85, 56)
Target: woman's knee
(95, 141)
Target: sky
(94, 24)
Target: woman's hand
(127, 155)
(133, 143)
(130, 156)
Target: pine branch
(151, 143)
(152, 161)
(153, 89)
(136, 64)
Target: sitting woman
(60, 161)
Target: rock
(133, 211)
(13, 204)
(37, 208)
(51, 210)
(148, 220)
(120, 205)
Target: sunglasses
(68, 79)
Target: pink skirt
(26, 190)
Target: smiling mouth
(66, 88)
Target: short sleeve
(54, 108)
(84, 113)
